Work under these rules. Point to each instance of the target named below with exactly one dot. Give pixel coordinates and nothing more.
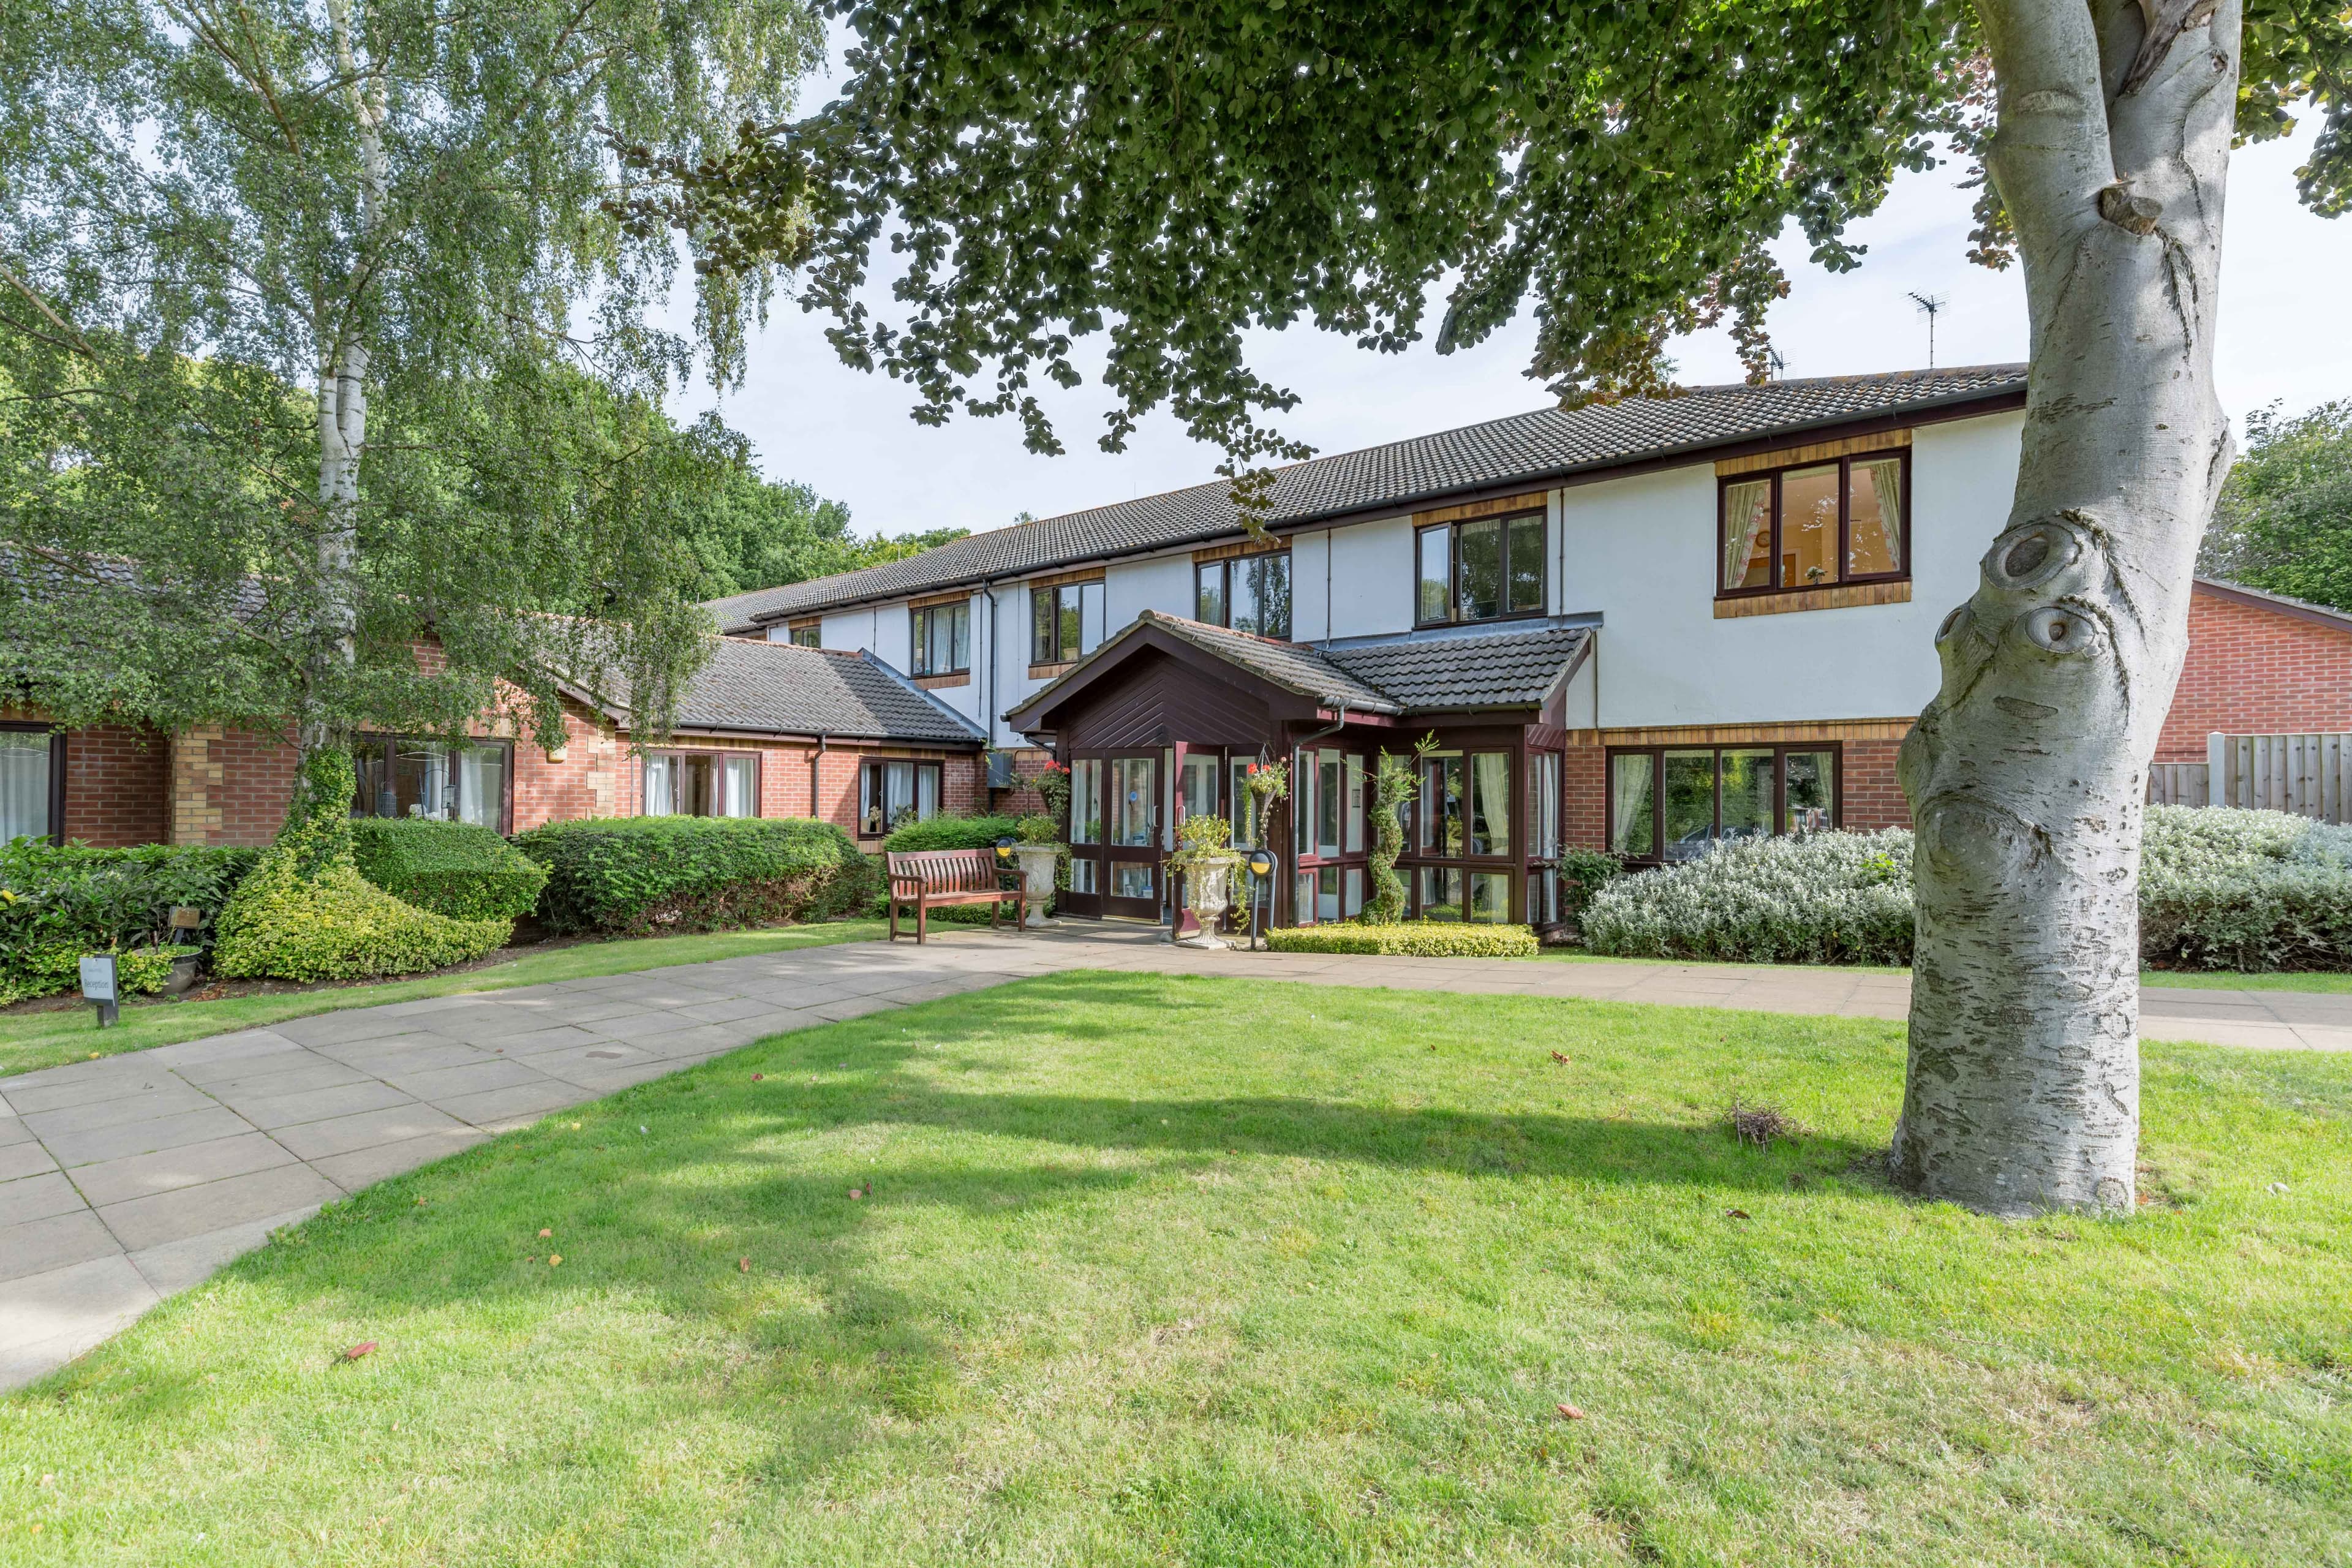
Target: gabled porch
(1166, 720)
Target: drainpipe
(816, 766)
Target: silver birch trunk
(342, 406)
(2026, 774)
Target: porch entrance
(1115, 840)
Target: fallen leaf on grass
(553, 1259)
(1735, 1213)
(545, 1233)
(856, 1193)
(744, 1265)
(1561, 1057)
(1569, 1412)
(758, 1076)
(357, 1351)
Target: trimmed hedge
(1408, 938)
(306, 913)
(453, 868)
(2219, 888)
(60, 902)
(952, 833)
(644, 874)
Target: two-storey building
(1641, 626)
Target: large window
(1249, 595)
(892, 794)
(1486, 570)
(808, 634)
(1670, 803)
(32, 782)
(1817, 525)
(702, 783)
(942, 639)
(1465, 813)
(433, 780)
(1065, 622)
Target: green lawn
(1206, 1272)
(30, 1040)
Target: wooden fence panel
(2302, 773)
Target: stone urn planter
(1038, 863)
(1208, 893)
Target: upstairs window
(1816, 525)
(1248, 595)
(1065, 622)
(1488, 569)
(808, 634)
(942, 639)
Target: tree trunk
(342, 406)
(2027, 773)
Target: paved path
(127, 1179)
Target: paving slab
(319, 1104)
(38, 1246)
(48, 1319)
(317, 1141)
(162, 1217)
(174, 1265)
(142, 1175)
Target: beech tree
(1169, 173)
(317, 340)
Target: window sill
(1049, 672)
(941, 683)
(1845, 597)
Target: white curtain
(740, 772)
(1490, 776)
(1635, 794)
(661, 786)
(482, 785)
(1747, 512)
(927, 792)
(1883, 476)
(23, 785)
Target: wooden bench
(932, 878)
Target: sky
(2285, 336)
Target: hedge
(305, 913)
(1408, 938)
(648, 874)
(2219, 888)
(453, 868)
(952, 833)
(60, 902)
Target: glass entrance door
(1089, 876)
(1131, 849)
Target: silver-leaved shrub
(2218, 889)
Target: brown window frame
(870, 765)
(1780, 749)
(1224, 569)
(916, 617)
(759, 771)
(1512, 865)
(1845, 464)
(56, 772)
(1041, 655)
(808, 634)
(1453, 617)
(376, 737)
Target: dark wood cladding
(1158, 701)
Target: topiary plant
(304, 913)
(1392, 782)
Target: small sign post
(97, 988)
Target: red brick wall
(1022, 798)
(1873, 799)
(228, 786)
(118, 785)
(2255, 670)
(1584, 821)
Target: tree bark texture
(2027, 773)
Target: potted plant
(1204, 854)
(1040, 852)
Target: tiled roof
(2287, 602)
(1507, 670)
(1525, 447)
(1510, 670)
(781, 689)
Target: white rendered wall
(1641, 551)
(1162, 583)
(1372, 581)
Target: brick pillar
(196, 778)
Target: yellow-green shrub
(1411, 938)
(304, 913)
